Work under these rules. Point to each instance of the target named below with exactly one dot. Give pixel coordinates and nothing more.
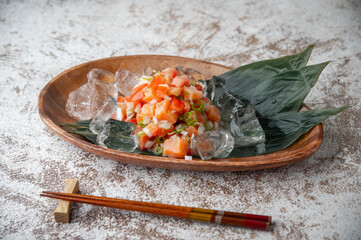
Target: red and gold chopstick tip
(199, 214)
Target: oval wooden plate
(53, 97)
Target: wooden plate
(53, 97)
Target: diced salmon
(148, 109)
(140, 117)
(162, 109)
(142, 140)
(149, 94)
(191, 130)
(175, 91)
(176, 148)
(137, 96)
(169, 74)
(180, 81)
(201, 118)
(153, 128)
(172, 116)
(191, 93)
(213, 113)
(139, 87)
(162, 91)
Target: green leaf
(243, 80)
(285, 128)
(286, 91)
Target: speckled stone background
(319, 198)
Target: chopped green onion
(199, 106)
(141, 124)
(186, 93)
(141, 134)
(187, 116)
(208, 126)
(158, 151)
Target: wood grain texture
(62, 212)
(53, 97)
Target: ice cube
(118, 135)
(78, 104)
(149, 71)
(238, 115)
(125, 81)
(102, 86)
(99, 120)
(239, 118)
(212, 144)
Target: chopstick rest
(62, 212)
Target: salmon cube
(175, 91)
(162, 109)
(175, 147)
(180, 81)
(213, 113)
(191, 93)
(148, 109)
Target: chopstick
(199, 214)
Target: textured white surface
(317, 198)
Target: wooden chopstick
(200, 214)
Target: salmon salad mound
(168, 111)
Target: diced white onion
(179, 126)
(119, 114)
(173, 136)
(191, 102)
(201, 129)
(164, 124)
(167, 97)
(130, 117)
(149, 134)
(154, 101)
(130, 105)
(162, 145)
(137, 109)
(216, 125)
(210, 124)
(155, 120)
(192, 136)
(146, 119)
(187, 157)
(163, 85)
(184, 133)
(148, 144)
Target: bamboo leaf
(246, 78)
(285, 91)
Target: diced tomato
(142, 140)
(191, 93)
(175, 91)
(175, 147)
(198, 87)
(163, 132)
(176, 105)
(180, 81)
(133, 120)
(213, 113)
(120, 99)
(156, 81)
